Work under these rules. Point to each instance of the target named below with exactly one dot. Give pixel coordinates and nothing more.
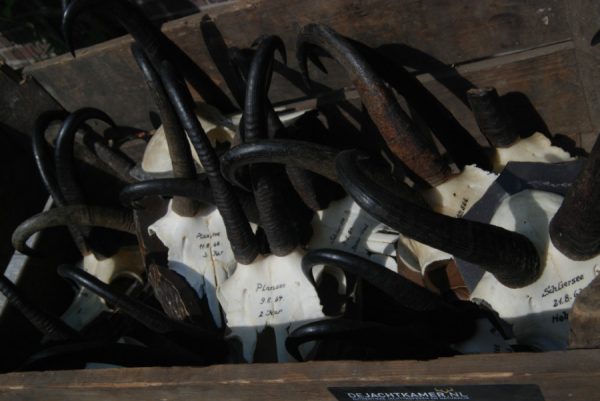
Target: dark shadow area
(23, 22)
(44, 288)
(526, 119)
(159, 11)
(22, 193)
(569, 145)
(421, 62)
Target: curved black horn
(509, 256)
(402, 290)
(337, 329)
(398, 131)
(177, 143)
(52, 327)
(307, 155)
(194, 189)
(156, 45)
(43, 156)
(149, 317)
(242, 239)
(575, 228)
(270, 199)
(259, 79)
(169, 187)
(64, 158)
(77, 215)
(209, 343)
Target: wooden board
(426, 34)
(540, 88)
(22, 100)
(568, 375)
(584, 18)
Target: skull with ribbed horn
(509, 256)
(179, 150)
(269, 184)
(239, 232)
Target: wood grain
(571, 375)
(584, 19)
(540, 88)
(585, 318)
(448, 32)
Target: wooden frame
(538, 49)
(561, 376)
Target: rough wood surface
(540, 89)
(21, 101)
(585, 318)
(570, 375)
(425, 34)
(584, 19)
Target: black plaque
(492, 392)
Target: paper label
(489, 392)
(347, 227)
(198, 250)
(272, 291)
(539, 312)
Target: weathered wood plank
(569, 375)
(22, 100)
(585, 318)
(540, 88)
(543, 88)
(452, 32)
(584, 19)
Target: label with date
(198, 250)
(539, 312)
(272, 291)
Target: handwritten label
(552, 288)
(271, 302)
(539, 312)
(210, 245)
(272, 291)
(199, 251)
(345, 226)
